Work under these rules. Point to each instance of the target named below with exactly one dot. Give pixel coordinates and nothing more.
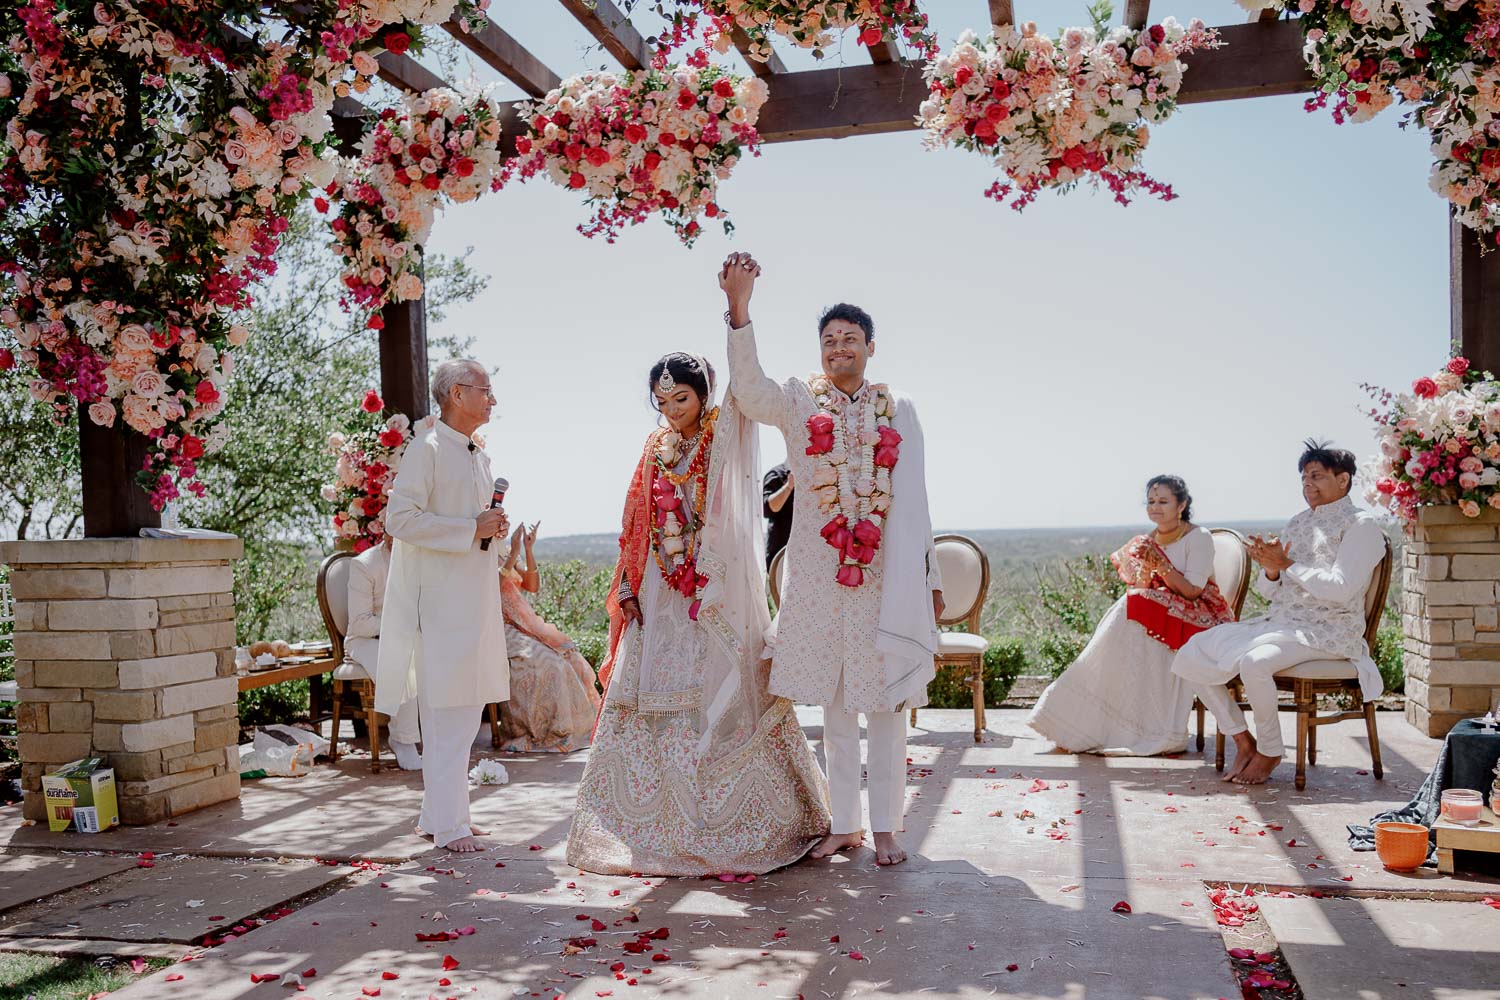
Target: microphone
(497, 499)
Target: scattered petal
(1122, 907)
(449, 963)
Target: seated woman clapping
(1120, 696)
(553, 697)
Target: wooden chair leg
(1202, 714)
(333, 737)
(1312, 739)
(1218, 750)
(372, 722)
(976, 683)
(494, 725)
(1305, 707)
(1374, 741)
(914, 716)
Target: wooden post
(114, 505)
(1474, 283)
(403, 358)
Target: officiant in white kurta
(443, 636)
(856, 632)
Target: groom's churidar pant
(887, 768)
(447, 736)
(1211, 659)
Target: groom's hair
(849, 314)
(1331, 458)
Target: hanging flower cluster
(152, 152)
(1438, 58)
(440, 146)
(644, 143)
(1051, 113)
(812, 24)
(368, 450)
(1439, 443)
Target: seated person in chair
(554, 699)
(1315, 577)
(367, 574)
(1120, 696)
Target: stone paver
(179, 899)
(25, 877)
(1383, 949)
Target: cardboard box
(81, 795)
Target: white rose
(329, 492)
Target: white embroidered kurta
(826, 633)
(443, 635)
(1319, 601)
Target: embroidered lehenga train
(695, 768)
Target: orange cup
(1402, 846)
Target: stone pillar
(124, 648)
(1451, 582)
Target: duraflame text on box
(81, 795)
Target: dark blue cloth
(1467, 760)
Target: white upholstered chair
(1307, 680)
(348, 676)
(966, 585)
(1232, 574)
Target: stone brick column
(1451, 583)
(124, 648)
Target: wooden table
(313, 671)
(1452, 837)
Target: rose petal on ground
(264, 977)
(858, 956)
(174, 977)
(1122, 907)
(449, 963)
(388, 975)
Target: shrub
(1004, 661)
(1389, 653)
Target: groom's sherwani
(863, 649)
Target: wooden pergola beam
(1002, 12)
(612, 29)
(405, 73)
(771, 67)
(1137, 13)
(885, 51)
(502, 53)
(1269, 14)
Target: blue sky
(1059, 357)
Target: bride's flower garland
(859, 506)
(1053, 113)
(440, 146)
(646, 142)
(674, 532)
(810, 24)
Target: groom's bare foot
(887, 850)
(1244, 753)
(466, 845)
(478, 832)
(1257, 770)
(836, 842)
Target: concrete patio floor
(1019, 857)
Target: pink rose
(1425, 388)
(866, 533)
(102, 413)
(850, 576)
(837, 533)
(372, 403)
(1459, 366)
(148, 383)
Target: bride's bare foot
(1244, 753)
(1257, 770)
(466, 845)
(887, 850)
(836, 842)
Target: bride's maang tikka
(665, 383)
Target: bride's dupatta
(635, 551)
(1166, 615)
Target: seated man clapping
(367, 575)
(1315, 577)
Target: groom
(861, 592)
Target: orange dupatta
(635, 551)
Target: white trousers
(1211, 659)
(887, 768)
(449, 736)
(404, 724)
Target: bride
(695, 768)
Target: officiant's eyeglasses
(488, 391)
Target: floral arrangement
(645, 142)
(439, 146)
(674, 532)
(1439, 58)
(1051, 113)
(810, 24)
(857, 507)
(489, 772)
(1439, 443)
(152, 152)
(368, 450)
